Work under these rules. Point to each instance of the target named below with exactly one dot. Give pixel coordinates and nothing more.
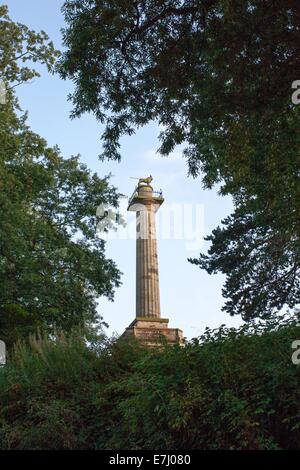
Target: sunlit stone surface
(148, 326)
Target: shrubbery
(229, 389)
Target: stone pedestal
(153, 331)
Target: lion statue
(147, 181)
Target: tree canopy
(217, 75)
(52, 260)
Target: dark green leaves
(217, 74)
(52, 260)
(229, 389)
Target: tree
(52, 260)
(260, 260)
(217, 75)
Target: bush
(229, 389)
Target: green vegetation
(52, 260)
(217, 76)
(230, 389)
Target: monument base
(153, 331)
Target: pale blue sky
(190, 298)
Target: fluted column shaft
(147, 277)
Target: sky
(190, 298)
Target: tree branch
(138, 29)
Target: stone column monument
(148, 326)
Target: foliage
(217, 76)
(19, 46)
(260, 256)
(229, 389)
(203, 69)
(52, 260)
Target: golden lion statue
(147, 180)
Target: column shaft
(147, 278)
